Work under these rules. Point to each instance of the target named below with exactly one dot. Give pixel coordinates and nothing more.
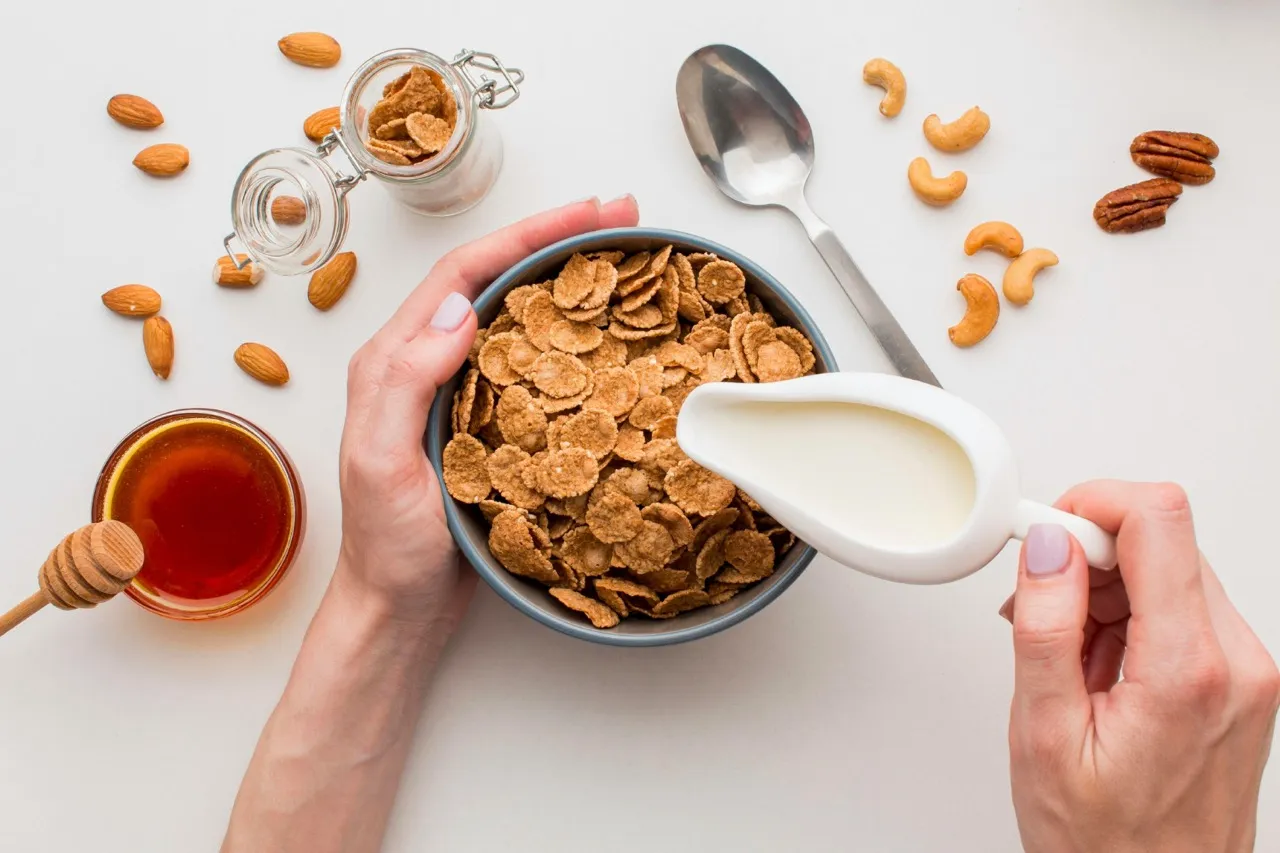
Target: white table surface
(851, 714)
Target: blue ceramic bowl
(469, 528)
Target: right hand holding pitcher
(1170, 759)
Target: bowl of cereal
(556, 443)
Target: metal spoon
(755, 143)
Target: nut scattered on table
(959, 135)
(982, 309)
(226, 274)
(134, 111)
(164, 160)
(569, 413)
(331, 281)
(886, 75)
(1019, 276)
(132, 300)
(1184, 157)
(157, 343)
(315, 50)
(938, 192)
(999, 237)
(1136, 207)
(317, 125)
(262, 363)
(415, 119)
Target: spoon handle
(903, 355)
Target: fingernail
(627, 197)
(450, 314)
(1006, 610)
(590, 198)
(1048, 548)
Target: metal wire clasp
(489, 94)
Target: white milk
(882, 477)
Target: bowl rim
(440, 408)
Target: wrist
(381, 611)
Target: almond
(162, 161)
(226, 274)
(132, 300)
(319, 123)
(262, 363)
(331, 281)
(315, 50)
(288, 210)
(133, 111)
(157, 342)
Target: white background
(851, 714)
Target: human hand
(1170, 759)
(395, 541)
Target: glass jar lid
(289, 208)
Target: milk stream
(884, 478)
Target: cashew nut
(961, 134)
(998, 236)
(886, 75)
(936, 191)
(1019, 286)
(981, 313)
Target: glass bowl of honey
(217, 504)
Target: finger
(1105, 658)
(1109, 603)
(412, 373)
(470, 268)
(1048, 632)
(1159, 562)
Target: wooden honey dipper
(88, 567)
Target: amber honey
(218, 508)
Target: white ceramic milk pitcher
(890, 476)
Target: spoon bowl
(749, 134)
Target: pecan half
(1182, 156)
(1136, 207)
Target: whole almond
(132, 300)
(226, 274)
(319, 123)
(288, 210)
(163, 161)
(262, 363)
(315, 50)
(133, 111)
(157, 342)
(331, 281)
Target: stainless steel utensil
(755, 143)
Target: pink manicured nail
(450, 314)
(1048, 548)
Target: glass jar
(447, 183)
(217, 504)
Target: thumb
(1051, 608)
(421, 365)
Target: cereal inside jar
(414, 121)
